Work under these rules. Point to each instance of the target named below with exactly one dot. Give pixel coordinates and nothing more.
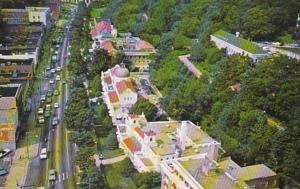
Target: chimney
(237, 34)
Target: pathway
(109, 160)
(184, 59)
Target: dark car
(3, 171)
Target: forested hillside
(260, 123)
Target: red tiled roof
(108, 46)
(139, 131)
(101, 26)
(144, 45)
(131, 145)
(124, 85)
(113, 97)
(236, 87)
(108, 80)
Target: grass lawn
(115, 179)
(97, 12)
(108, 153)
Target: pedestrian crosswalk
(61, 177)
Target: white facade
(232, 49)
(39, 14)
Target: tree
(144, 106)
(147, 180)
(112, 141)
(127, 169)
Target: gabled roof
(132, 144)
(253, 172)
(113, 97)
(100, 27)
(141, 44)
(124, 85)
(139, 132)
(239, 42)
(108, 46)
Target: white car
(56, 105)
(51, 81)
(43, 97)
(40, 111)
(53, 70)
(57, 78)
(58, 68)
(41, 120)
(43, 154)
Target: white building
(102, 31)
(202, 173)
(39, 14)
(148, 144)
(233, 44)
(118, 91)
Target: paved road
(60, 151)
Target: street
(55, 138)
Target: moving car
(55, 121)
(43, 97)
(57, 78)
(56, 105)
(43, 154)
(52, 175)
(56, 92)
(41, 120)
(53, 70)
(51, 81)
(3, 171)
(40, 111)
(48, 107)
(4, 152)
(47, 114)
(50, 93)
(49, 100)
(58, 68)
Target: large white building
(118, 91)
(202, 173)
(148, 144)
(233, 44)
(39, 14)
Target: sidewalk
(18, 170)
(108, 161)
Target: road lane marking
(59, 178)
(63, 176)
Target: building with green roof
(237, 45)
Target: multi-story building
(54, 6)
(138, 52)
(39, 14)
(9, 115)
(14, 16)
(118, 91)
(16, 71)
(103, 30)
(202, 173)
(233, 44)
(148, 144)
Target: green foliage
(147, 180)
(95, 86)
(112, 141)
(144, 106)
(126, 168)
(285, 39)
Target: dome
(121, 71)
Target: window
(151, 139)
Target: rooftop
(244, 44)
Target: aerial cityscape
(149, 94)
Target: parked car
(51, 81)
(50, 93)
(4, 152)
(57, 78)
(52, 175)
(58, 68)
(43, 154)
(49, 100)
(3, 171)
(48, 107)
(47, 114)
(52, 70)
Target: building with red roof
(108, 46)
